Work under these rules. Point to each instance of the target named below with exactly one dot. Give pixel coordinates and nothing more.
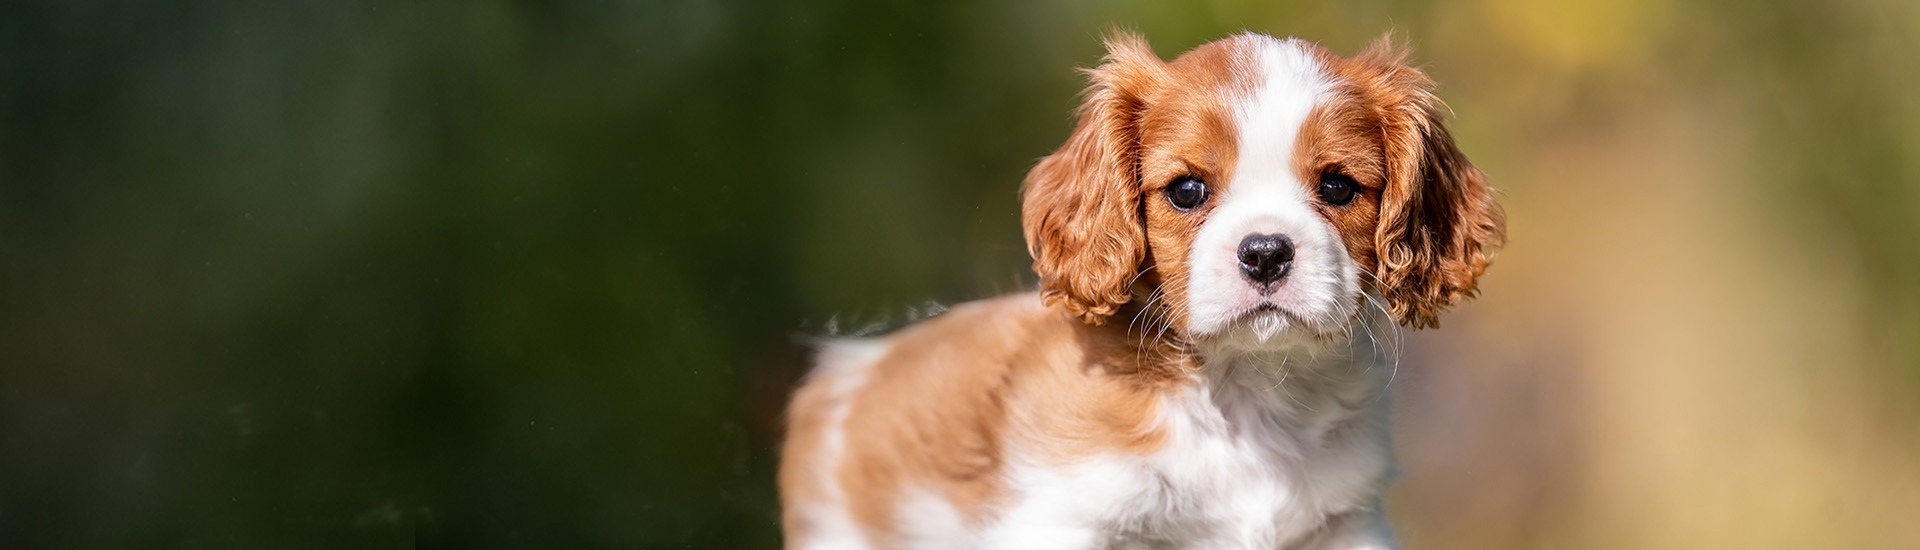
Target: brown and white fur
(1155, 392)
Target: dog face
(1254, 191)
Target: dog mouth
(1265, 321)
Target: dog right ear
(1080, 206)
(1439, 225)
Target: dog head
(1258, 191)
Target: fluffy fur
(1150, 394)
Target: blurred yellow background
(519, 274)
(1703, 334)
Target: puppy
(1221, 244)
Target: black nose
(1265, 258)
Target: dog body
(1220, 244)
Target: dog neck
(1307, 389)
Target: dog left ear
(1439, 225)
(1080, 206)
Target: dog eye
(1186, 193)
(1336, 189)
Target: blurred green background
(531, 274)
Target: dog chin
(1268, 328)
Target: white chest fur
(1254, 458)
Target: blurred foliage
(528, 274)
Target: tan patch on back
(957, 394)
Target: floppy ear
(1439, 225)
(1081, 205)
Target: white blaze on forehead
(1288, 86)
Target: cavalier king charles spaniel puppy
(1221, 244)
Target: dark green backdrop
(327, 274)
